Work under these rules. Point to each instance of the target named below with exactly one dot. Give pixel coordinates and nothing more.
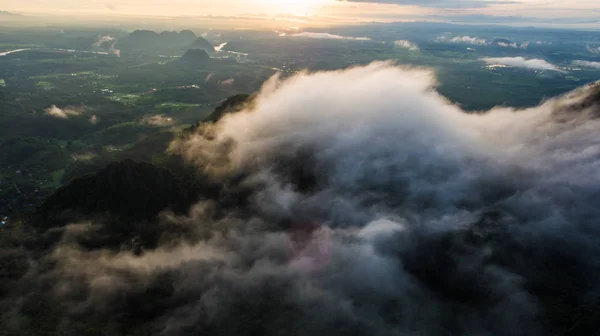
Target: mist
(407, 45)
(521, 62)
(587, 64)
(593, 50)
(463, 39)
(159, 120)
(64, 113)
(360, 202)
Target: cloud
(103, 39)
(65, 113)
(593, 50)
(587, 64)
(463, 39)
(407, 162)
(521, 62)
(508, 45)
(327, 36)
(407, 45)
(159, 120)
(512, 20)
(514, 45)
(366, 205)
(440, 3)
(106, 39)
(228, 81)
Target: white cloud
(327, 36)
(587, 64)
(521, 62)
(65, 113)
(159, 120)
(103, 39)
(508, 45)
(463, 39)
(593, 50)
(229, 81)
(407, 45)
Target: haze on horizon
(583, 13)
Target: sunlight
(296, 7)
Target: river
(5, 53)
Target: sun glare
(296, 7)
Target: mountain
(147, 40)
(143, 35)
(127, 196)
(140, 39)
(231, 105)
(195, 56)
(203, 44)
(176, 39)
(9, 14)
(126, 190)
(187, 35)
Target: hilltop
(166, 41)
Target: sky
(349, 10)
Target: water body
(72, 51)
(236, 53)
(220, 46)
(4, 53)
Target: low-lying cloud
(521, 62)
(327, 36)
(103, 39)
(356, 202)
(587, 64)
(481, 41)
(593, 50)
(159, 120)
(524, 45)
(508, 45)
(108, 39)
(464, 40)
(64, 113)
(407, 45)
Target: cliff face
(580, 105)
